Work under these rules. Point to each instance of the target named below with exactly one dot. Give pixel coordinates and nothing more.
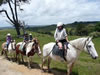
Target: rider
(26, 38)
(30, 37)
(60, 35)
(26, 41)
(8, 39)
(61, 38)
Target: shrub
(95, 34)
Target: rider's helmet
(26, 33)
(8, 34)
(30, 34)
(59, 24)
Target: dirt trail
(12, 68)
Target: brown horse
(30, 49)
(11, 48)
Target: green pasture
(85, 65)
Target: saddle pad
(57, 51)
(21, 47)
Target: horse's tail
(2, 52)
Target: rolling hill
(85, 65)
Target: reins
(83, 45)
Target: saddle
(5, 46)
(59, 52)
(23, 47)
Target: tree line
(85, 30)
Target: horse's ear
(88, 38)
(91, 37)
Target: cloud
(52, 11)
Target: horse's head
(13, 44)
(89, 47)
(36, 45)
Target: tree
(81, 30)
(13, 5)
(97, 27)
(72, 31)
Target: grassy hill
(52, 27)
(85, 65)
(85, 28)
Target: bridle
(85, 44)
(35, 48)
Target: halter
(84, 46)
(87, 46)
(34, 44)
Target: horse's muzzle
(95, 57)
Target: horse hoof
(29, 67)
(18, 62)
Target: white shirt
(60, 34)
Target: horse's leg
(49, 60)
(10, 58)
(17, 58)
(70, 66)
(30, 60)
(6, 55)
(43, 62)
(29, 65)
(22, 58)
(14, 55)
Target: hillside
(85, 65)
(53, 27)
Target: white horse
(73, 51)
(11, 49)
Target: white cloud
(53, 11)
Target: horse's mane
(78, 42)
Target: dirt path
(12, 68)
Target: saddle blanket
(57, 51)
(21, 46)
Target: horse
(74, 48)
(31, 48)
(11, 49)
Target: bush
(97, 27)
(72, 31)
(95, 34)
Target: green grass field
(85, 65)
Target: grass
(85, 65)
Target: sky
(47, 12)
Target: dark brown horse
(30, 49)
